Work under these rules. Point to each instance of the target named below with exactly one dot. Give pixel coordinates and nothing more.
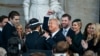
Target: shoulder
(7, 26)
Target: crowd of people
(60, 37)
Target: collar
(1, 28)
(54, 33)
(10, 23)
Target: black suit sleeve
(6, 34)
(45, 24)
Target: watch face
(60, 54)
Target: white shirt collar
(10, 23)
(0, 28)
(54, 33)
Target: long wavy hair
(21, 32)
(85, 31)
(97, 34)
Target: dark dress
(97, 47)
(91, 46)
(76, 46)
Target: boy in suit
(9, 28)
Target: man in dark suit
(66, 29)
(9, 28)
(3, 22)
(55, 33)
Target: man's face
(65, 22)
(4, 22)
(15, 20)
(52, 25)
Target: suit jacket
(1, 39)
(7, 33)
(52, 41)
(45, 24)
(70, 33)
(34, 41)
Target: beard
(64, 26)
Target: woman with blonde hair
(75, 43)
(88, 41)
(20, 31)
(96, 43)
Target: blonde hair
(22, 32)
(79, 22)
(97, 33)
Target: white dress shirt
(54, 33)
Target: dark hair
(27, 26)
(85, 31)
(12, 14)
(66, 15)
(33, 20)
(78, 21)
(2, 18)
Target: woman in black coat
(33, 39)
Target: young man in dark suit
(66, 28)
(9, 28)
(55, 33)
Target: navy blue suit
(7, 33)
(1, 39)
(31, 40)
(45, 24)
(52, 41)
(70, 33)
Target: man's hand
(50, 12)
(46, 35)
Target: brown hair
(38, 54)
(61, 47)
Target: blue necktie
(64, 32)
